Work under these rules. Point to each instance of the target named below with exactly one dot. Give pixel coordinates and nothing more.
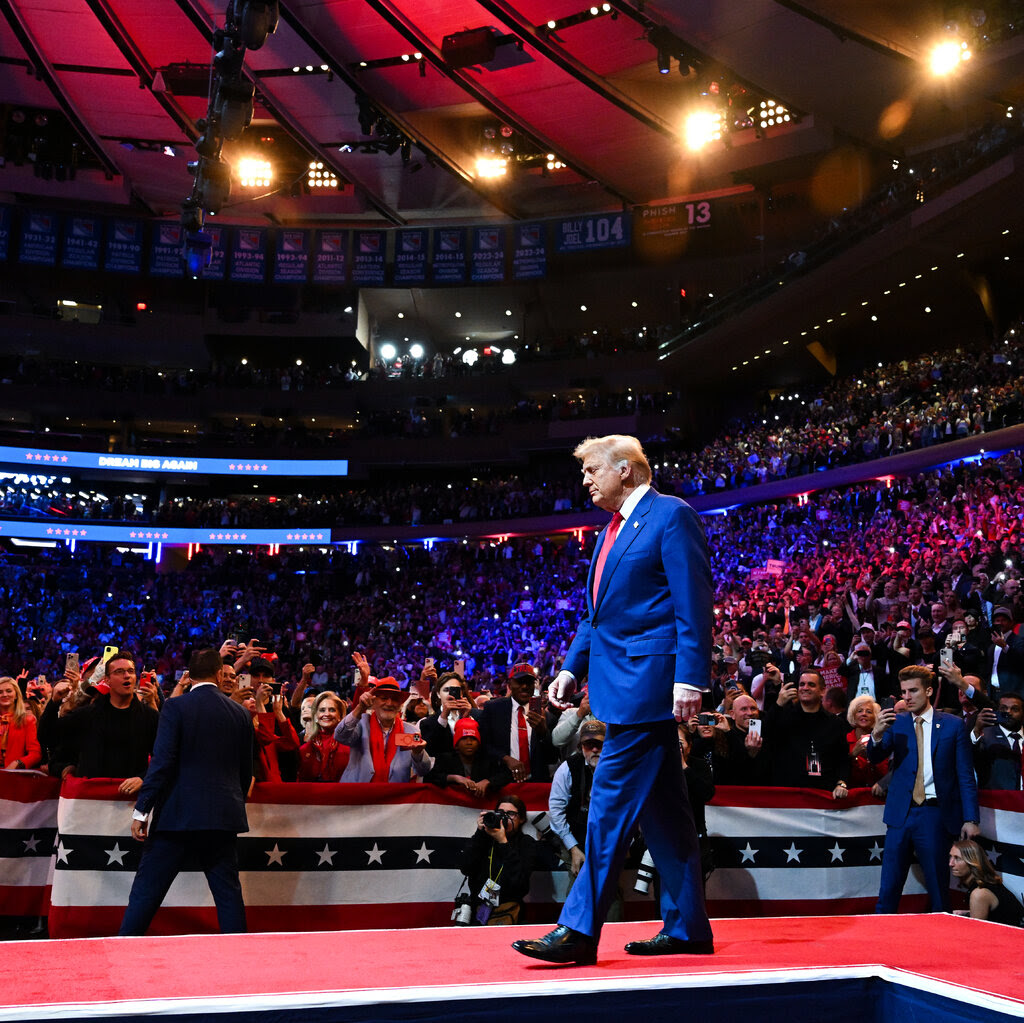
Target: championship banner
(329, 257)
(38, 238)
(450, 255)
(530, 253)
(165, 250)
(368, 251)
(291, 256)
(410, 263)
(123, 250)
(335, 857)
(249, 254)
(488, 255)
(82, 243)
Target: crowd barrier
(335, 857)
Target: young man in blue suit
(196, 786)
(933, 794)
(645, 643)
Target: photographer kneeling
(497, 863)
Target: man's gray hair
(616, 449)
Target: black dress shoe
(562, 945)
(666, 945)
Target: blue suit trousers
(639, 780)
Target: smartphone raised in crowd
(71, 661)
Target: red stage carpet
(970, 967)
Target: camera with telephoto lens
(495, 819)
(644, 873)
(462, 913)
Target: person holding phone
(516, 731)
(383, 748)
(450, 703)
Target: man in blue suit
(196, 786)
(645, 643)
(933, 794)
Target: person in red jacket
(19, 747)
(321, 756)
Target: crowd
(822, 607)
(892, 408)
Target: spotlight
(702, 127)
(197, 253)
(947, 56)
(664, 62)
(491, 167)
(388, 351)
(416, 351)
(254, 172)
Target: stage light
(508, 357)
(416, 351)
(388, 351)
(947, 56)
(469, 356)
(702, 127)
(254, 172)
(319, 176)
(491, 167)
(664, 62)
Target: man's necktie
(919, 780)
(524, 738)
(609, 539)
(1017, 756)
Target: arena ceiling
(127, 81)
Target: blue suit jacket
(201, 767)
(650, 626)
(952, 765)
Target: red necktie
(609, 538)
(524, 739)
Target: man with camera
(997, 738)
(384, 749)
(498, 863)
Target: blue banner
(249, 254)
(82, 243)
(410, 256)
(5, 231)
(329, 258)
(596, 231)
(368, 251)
(249, 467)
(38, 238)
(219, 260)
(123, 249)
(450, 255)
(140, 535)
(165, 250)
(488, 254)
(291, 262)
(530, 253)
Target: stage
(831, 969)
